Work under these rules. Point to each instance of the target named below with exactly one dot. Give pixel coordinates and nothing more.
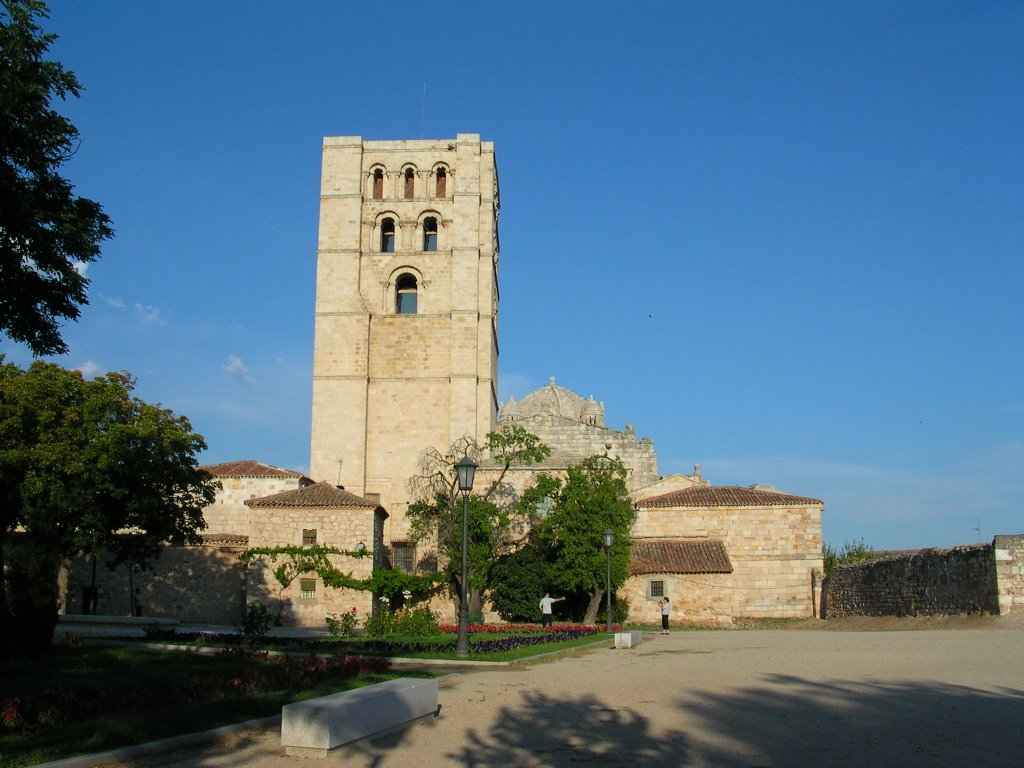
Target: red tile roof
(678, 556)
(250, 468)
(322, 495)
(725, 496)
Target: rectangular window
(309, 537)
(403, 556)
(307, 588)
(657, 589)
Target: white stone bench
(628, 639)
(313, 727)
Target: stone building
(574, 429)
(405, 349)
(405, 358)
(723, 552)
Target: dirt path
(744, 698)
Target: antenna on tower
(423, 109)
(977, 527)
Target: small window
(441, 183)
(403, 556)
(378, 184)
(410, 183)
(387, 236)
(405, 295)
(430, 234)
(307, 588)
(309, 537)
(657, 589)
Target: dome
(554, 400)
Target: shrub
(383, 624)
(255, 627)
(417, 622)
(852, 552)
(342, 625)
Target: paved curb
(163, 745)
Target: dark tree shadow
(549, 731)
(790, 721)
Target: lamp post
(609, 539)
(466, 470)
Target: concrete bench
(98, 625)
(628, 639)
(313, 727)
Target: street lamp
(609, 539)
(466, 470)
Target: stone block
(628, 639)
(314, 727)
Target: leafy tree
(81, 461)
(518, 579)
(437, 512)
(592, 498)
(47, 233)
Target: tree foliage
(47, 233)
(569, 538)
(81, 461)
(518, 579)
(436, 514)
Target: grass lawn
(79, 700)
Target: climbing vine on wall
(296, 560)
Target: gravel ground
(945, 691)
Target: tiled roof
(225, 539)
(678, 556)
(725, 496)
(322, 495)
(250, 468)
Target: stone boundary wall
(981, 578)
(1009, 556)
(196, 584)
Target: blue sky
(783, 240)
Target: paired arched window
(430, 234)
(440, 183)
(387, 236)
(405, 295)
(378, 184)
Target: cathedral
(405, 358)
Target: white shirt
(546, 603)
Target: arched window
(378, 184)
(410, 183)
(441, 183)
(430, 234)
(387, 236)
(405, 295)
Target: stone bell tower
(405, 350)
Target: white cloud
(90, 370)
(150, 315)
(236, 369)
(81, 267)
(115, 302)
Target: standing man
(545, 608)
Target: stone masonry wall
(204, 584)
(341, 528)
(773, 551)
(1009, 557)
(926, 582)
(228, 513)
